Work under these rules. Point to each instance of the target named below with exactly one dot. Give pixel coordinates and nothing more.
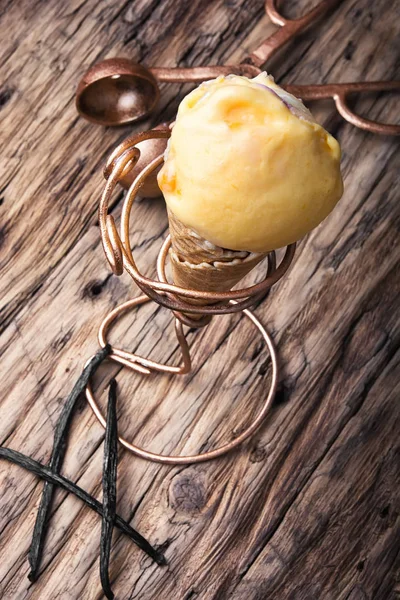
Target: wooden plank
(322, 350)
(296, 512)
(46, 182)
(347, 512)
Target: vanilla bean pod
(56, 460)
(110, 464)
(45, 473)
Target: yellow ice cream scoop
(247, 167)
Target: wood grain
(309, 508)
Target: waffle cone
(200, 265)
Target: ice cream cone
(247, 170)
(200, 265)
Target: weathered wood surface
(308, 509)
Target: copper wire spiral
(119, 254)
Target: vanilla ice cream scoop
(247, 167)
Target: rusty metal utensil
(118, 91)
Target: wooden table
(309, 508)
